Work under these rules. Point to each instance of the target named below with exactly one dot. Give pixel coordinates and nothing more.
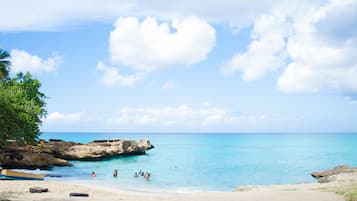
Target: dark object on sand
(38, 190)
(55, 140)
(78, 195)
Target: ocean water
(213, 161)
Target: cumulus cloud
(265, 53)
(314, 45)
(112, 77)
(56, 117)
(150, 45)
(22, 61)
(322, 53)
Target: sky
(188, 66)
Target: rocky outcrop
(45, 155)
(28, 157)
(325, 176)
(99, 149)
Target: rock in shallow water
(100, 149)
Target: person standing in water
(115, 173)
(93, 174)
(147, 176)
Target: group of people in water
(146, 175)
(115, 173)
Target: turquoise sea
(214, 161)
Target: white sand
(19, 190)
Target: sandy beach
(332, 191)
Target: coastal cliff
(45, 154)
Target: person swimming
(136, 175)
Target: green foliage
(350, 193)
(22, 106)
(4, 63)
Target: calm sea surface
(215, 161)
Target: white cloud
(112, 77)
(22, 61)
(57, 117)
(322, 52)
(202, 117)
(45, 15)
(53, 15)
(168, 85)
(181, 116)
(315, 45)
(150, 45)
(266, 52)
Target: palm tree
(4, 63)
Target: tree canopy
(4, 63)
(22, 106)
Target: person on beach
(93, 174)
(115, 173)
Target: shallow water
(216, 161)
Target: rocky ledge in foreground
(45, 155)
(327, 175)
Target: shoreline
(59, 190)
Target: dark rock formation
(28, 157)
(45, 155)
(324, 176)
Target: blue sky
(229, 66)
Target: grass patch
(348, 191)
